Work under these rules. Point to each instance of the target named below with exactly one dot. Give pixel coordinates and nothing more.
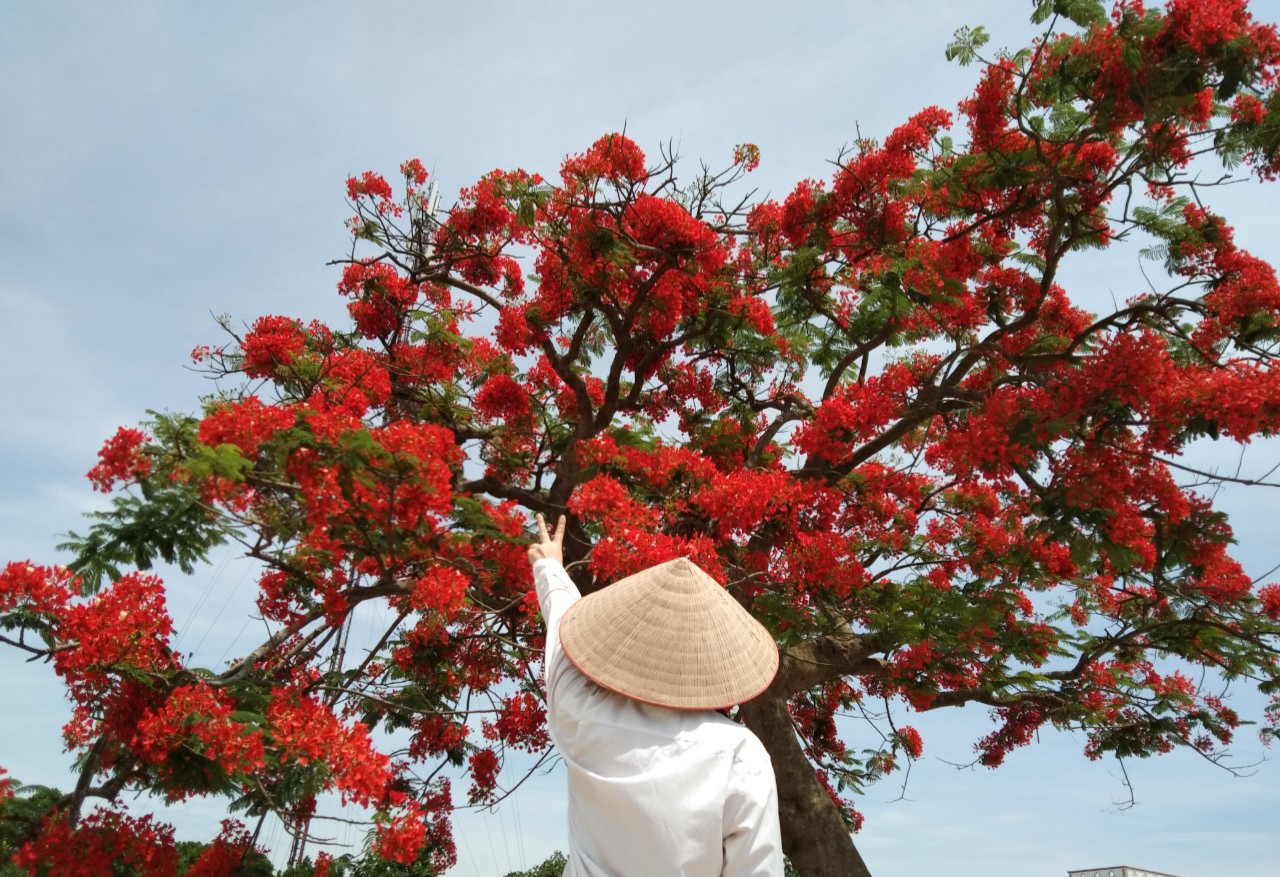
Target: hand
(548, 547)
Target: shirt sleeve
(556, 593)
(752, 835)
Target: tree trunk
(814, 837)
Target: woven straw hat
(670, 636)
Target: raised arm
(556, 591)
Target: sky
(162, 163)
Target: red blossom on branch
(121, 460)
(103, 841)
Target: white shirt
(653, 791)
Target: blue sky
(164, 162)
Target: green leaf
(964, 46)
(170, 526)
(526, 213)
(1081, 12)
(224, 462)
(1084, 12)
(1131, 56)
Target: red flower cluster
(413, 171)
(121, 459)
(988, 109)
(103, 842)
(522, 723)
(247, 424)
(1244, 295)
(197, 719)
(440, 591)
(273, 343)
(1270, 597)
(226, 854)
(380, 298)
(852, 817)
(1020, 724)
(747, 156)
(422, 364)
(354, 380)
(502, 398)
(402, 840)
(374, 186)
(1205, 25)
(42, 589)
(909, 739)
(614, 157)
(306, 731)
(125, 627)
(437, 735)
(854, 413)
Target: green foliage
(964, 46)
(1081, 12)
(166, 524)
(254, 864)
(552, 867)
(18, 815)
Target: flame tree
(869, 409)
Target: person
(661, 783)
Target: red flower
(272, 342)
(121, 460)
(402, 840)
(1206, 24)
(522, 723)
(308, 731)
(1019, 728)
(226, 854)
(1270, 597)
(909, 739)
(854, 413)
(246, 424)
(484, 773)
(665, 225)
(613, 156)
(1248, 109)
(380, 297)
(40, 588)
(125, 625)
(442, 591)
(103, 842)
(198, 718)
(501, 398)
(414, 172)
(747, 155)
(368, 185)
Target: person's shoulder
(734, 737)
(752, 769)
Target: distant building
(1118, 871)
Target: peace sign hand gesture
(548, 547)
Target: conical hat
(670, 636)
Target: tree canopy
(870, 409)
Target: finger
(561, 526)
(542, 528)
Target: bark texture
(814, 836)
